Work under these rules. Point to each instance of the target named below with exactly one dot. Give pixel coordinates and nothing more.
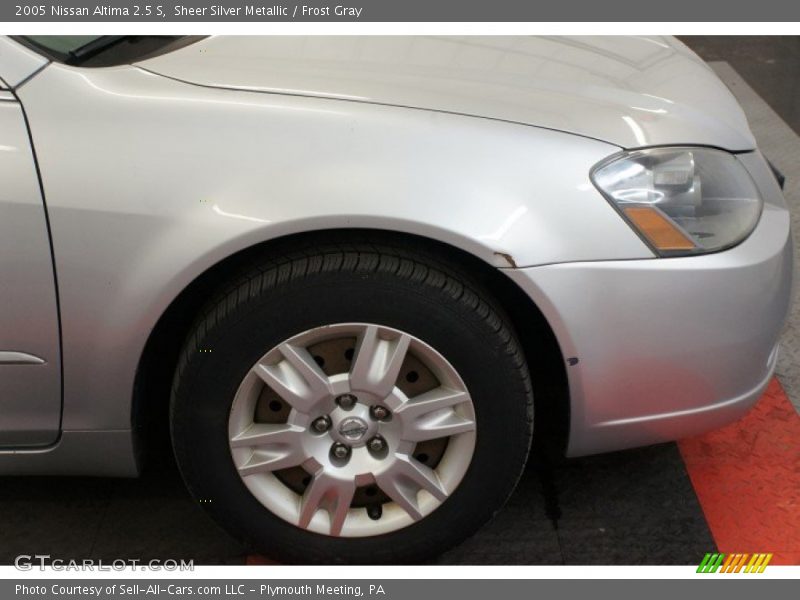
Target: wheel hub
(353, 429)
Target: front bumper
(669, 347)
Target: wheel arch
(159, 357)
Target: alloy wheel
(352, 430)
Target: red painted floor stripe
(747, 478)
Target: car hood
(629, 91)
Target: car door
(30, 361)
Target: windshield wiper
(97, 46)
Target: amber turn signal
(658, 229)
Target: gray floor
(633, 507)
(769, 63)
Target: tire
(386, 288)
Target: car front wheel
(352, 404)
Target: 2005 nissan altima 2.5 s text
(357, 277)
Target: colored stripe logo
(734, 563)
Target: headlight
(682, 200)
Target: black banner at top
(400, 11)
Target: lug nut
(377, 444)
(321, 424)
(340, 450)
(379, 413)
(346, 401)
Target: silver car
(357, 276)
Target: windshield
(103, 50)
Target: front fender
(149, 182)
